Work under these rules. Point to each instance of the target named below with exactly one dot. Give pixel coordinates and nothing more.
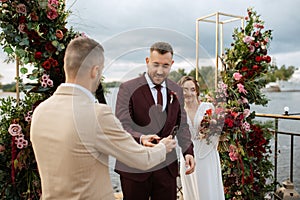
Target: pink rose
(247, 39)
(22, 28)
(52, 13)
(15, 129)
(237, 76)
(53, 2)
(251, 48)
(21, 8)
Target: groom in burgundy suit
(149, 107)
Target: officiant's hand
(169, 142)
(189, 163)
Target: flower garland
(34, 32)
(245, 144)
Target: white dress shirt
(154, 91)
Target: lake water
(275, 106)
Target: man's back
(68, 167)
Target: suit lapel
(146, 91)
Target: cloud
(127, 28)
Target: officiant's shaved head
(82, 53)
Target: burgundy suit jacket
(139, 115)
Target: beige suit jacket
(72, 137)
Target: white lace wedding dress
(206, 182)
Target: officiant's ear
(96, 71)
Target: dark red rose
(22, 19)
(244, 69)
(258, 58)
(46, 65)
(38, 55)
(229, 122)
(49, 47)
(53, 62)
(268, 59)
(44, 29)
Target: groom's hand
(149, 140)
(189, 163)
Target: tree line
(206, 76)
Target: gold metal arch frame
(219, 35)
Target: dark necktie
(159, 95)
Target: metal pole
(197, 47)
(17, 81)
(217, 49)
(292, 158)
(276, 154)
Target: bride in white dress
(206, 182)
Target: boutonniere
(172, 96)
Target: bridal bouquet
(213, 120)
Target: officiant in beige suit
(72, 134)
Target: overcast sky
(127, 28)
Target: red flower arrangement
(245, 145)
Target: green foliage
(206, 75)
(176, 75)
(282, 73)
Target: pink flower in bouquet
(246, 126)
(22, 28)
(50, 83)
(246, 112)
(44, 84)
(237, 76)
(21, 143)
(52, 13)
(45, 77)
(233, 154)
(53, 2)
(251, 48)
(248, 39)
(241, 88)
(21, 8)
(14, 129)
(244, 100)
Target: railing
(276, 117)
